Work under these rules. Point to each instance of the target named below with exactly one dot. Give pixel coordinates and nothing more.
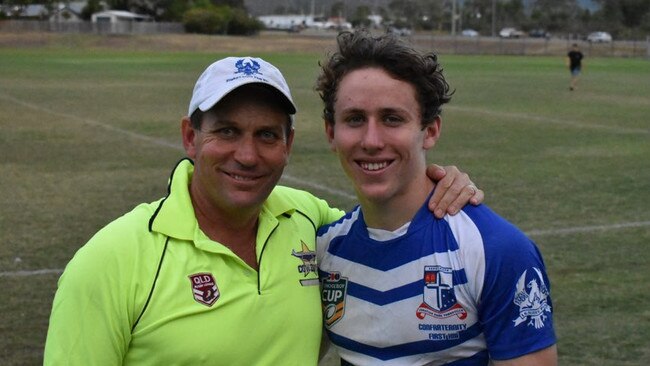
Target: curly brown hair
(359, 49)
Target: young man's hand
(453, 190)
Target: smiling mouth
(241, 178)
(373, 166)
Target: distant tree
(625, 18)
(430, 15)
(360, 17)
(556, 15)
(153, 8)
(235, 4)
(173, 10)
(513, 12)
(208, 19)
(420, 14)
(243, 24)
(477, 14)
(92, 7)
(645, 23)
(337, 9)
(634, 12)
(119, 4)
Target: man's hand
(454, 190)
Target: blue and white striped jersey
(458, 290)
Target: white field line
(523, 117)
(161, 142)
(587, 229)
(31, 273)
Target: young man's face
(240, 151)
(378, 134)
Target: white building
(117, 16)
(69, 12)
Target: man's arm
(454, 190)
(97, 299)
(545, 357)
(84, 327)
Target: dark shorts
(575, 71)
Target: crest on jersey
(308, 258)
(439, 298)
(333, 290)
(532, 298)
(204, 288)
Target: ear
(432, 133)
(188, 134)
(329, 132)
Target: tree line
(628, 19)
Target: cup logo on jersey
(333, 290)
(204, 288)
(439, 298)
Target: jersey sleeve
(97, 301)
(515, 307)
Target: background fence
(122, 27)
(530, 46)
(439, 43)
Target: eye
(268, 136)
(393, 120)
(355, 120)
(225, 133)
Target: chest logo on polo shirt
(439, 297)
(204, 288)
(308, 258)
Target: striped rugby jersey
(458, 290)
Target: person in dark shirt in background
(574, 58)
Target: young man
(399, 286)
(211, 272)
(574, 60)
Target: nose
(373, 136)
(246, 152)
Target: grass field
(86, 133)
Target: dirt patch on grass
(264, 42)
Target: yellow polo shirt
(152, 289)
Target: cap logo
(249, 68)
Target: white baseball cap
(230, 73)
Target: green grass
(73, 158)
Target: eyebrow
(382, 110)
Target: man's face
(378, 134)
(240, 151)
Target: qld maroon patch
(204, 288)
